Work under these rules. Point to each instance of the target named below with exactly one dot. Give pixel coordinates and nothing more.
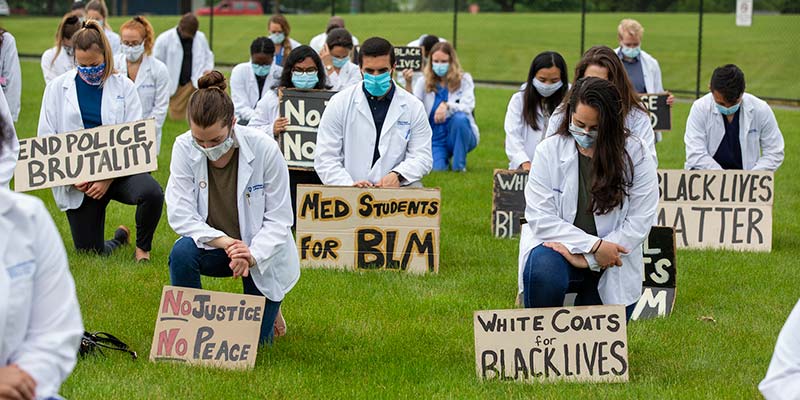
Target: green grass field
(387, 335)
(501, 46)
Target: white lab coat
(264, 205)
(10, 74)
(348, 75)
(759, 136)
(115, 41)
(346, 139)
(40, 320)
(317, 42)
(168, 49)
(9, 151)
(152, 85)
(244, 88)
(265, 113)
(521, 138)
(551, 198)
(651, 72)
(51, 69)
(462, 100)
(61, 113)
(783, 376)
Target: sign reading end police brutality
(303, 109)
(104, 152)
(209, 328)
(552, 344)
(354, 228)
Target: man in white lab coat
(731, 129)
(374, 134)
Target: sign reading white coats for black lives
(718, 209)
(408, 58)
(660, 111)
(552, 344)
(210, 328)
(104, 152)
(508, 202)
(658, 275)
(367, 229)
(303, 109)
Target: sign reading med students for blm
(104, 152)
(718, 209)
(660, 111)
(508, 202)
(549, 344)
(210, 328)
(363, 229)
(303, 109)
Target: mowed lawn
(389, 335)
(501, 46)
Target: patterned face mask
(92, 75)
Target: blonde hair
(99, 6)
(454, 72)
(69, 24)
(279, 19)
(92, 35)
(631, 27)
(141, 24)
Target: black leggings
(88, 221)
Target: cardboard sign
(367, 229)
(552, 344)
(660, 111)
(744, 12)
(209, 328)
(104, 152)
(408, 58)
(303, 109)
(718, 209)
(508, 202)
(658, 284)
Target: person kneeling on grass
(591, 197)
(228, 197)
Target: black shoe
(122, 235)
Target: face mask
(277, 38)
(378, 85)
(216, 152)
(304, 80)
(631, 52)
(440, 69)
(584, 138)
(340, 62)
(545, 89)
(133, 53)
(69, 50)
(728, 110)
(92, 75)
(261, 70)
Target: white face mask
(216, 152)
(133, 53)
(545, 89)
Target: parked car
(234, 7)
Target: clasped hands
(607, 254)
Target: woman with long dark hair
(591, 197)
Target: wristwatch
(328, 67)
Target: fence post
(211, 27)
(699, 51)
(455, 24)
(583, 25)
(333, 8)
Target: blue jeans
(187, 262)
(548, 277)
(452, 138)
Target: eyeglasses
(99, 340)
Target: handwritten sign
(368, 229)
(660, 111)
(718, 209)
(303, 109)
(209, 328)
(104, 152)
(744, 12)
(508, 202)
(408, 58)
(658, 284)
(552, 344)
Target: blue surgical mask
(277, 38)
(440, 69)
(546, 89)
(728, 110)
(631, 52)
(261, 70)
(92, 75)
(304, 80)
(340, 62)
(378, 85)
(584, 138)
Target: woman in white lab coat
(228, 199)
(449, 97)
(97, 10)
(61, 57)
(251, 80)
(149, 76)
(40, 321)
(782, 381)
(591, 200)
(10, 145)
(10, 74)
(279, 30)
(530, 108)
(335, 56)
(90, 96)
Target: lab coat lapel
(243, 178)
(569, 176)
(745, 120)
(396, 109)
(71, 95)
(5, 226)
(362, 105)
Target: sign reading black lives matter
(660, 111)
(508, 202)
(552, 344)
(366, 229)
(408, 58)
(303, 109)
(104, 152)
(718, 209)
(658, 283)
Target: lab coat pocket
(20, 296)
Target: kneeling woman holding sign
(591, 199)
(228, 197)
(89, 96)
